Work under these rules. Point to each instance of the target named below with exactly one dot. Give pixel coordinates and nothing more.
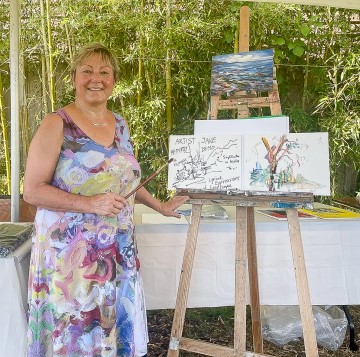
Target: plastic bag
(282, 324)
(214, 212)
(12, 235)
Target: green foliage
(301, 120)
(3, 185)
(340, 115)
(311, 45)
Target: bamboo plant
(5, 138)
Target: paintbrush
(147, 179)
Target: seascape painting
(245, 71)
(295, 162)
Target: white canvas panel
(272, 124)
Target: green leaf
(279, 41)
(305, 30)
(313, 18)
(229, 37)
(278, 55)
(291, 45)
(298, 42)
(298, 51)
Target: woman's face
(94, 80)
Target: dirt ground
(215, 325)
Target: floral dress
(85, 288)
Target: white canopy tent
(15, 107)
(347, 4)
(15, 87)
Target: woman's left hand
(168, 208)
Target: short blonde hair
(90, 49)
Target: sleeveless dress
(85, 288)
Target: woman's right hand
(107, 204)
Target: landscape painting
(205, 162)
(245, 71)
(295, 162)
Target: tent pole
(15, 107)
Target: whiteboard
(271, 124)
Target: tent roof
(349, 4)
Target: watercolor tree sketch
(245, 71)
(205, 162)
(295, 162)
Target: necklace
(99, 124)
(93, 123)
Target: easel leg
(305, 306)
(240, 280)
(214, 106)
(254, 282)
(184, 283)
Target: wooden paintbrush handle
(147, 180)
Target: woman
(85, 288)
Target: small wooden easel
(245, 249)
(244, 101)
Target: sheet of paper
(205, 162)
(295, 162)
(288, 162)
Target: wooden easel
(243, 102)
(245, 255)
(245, 246)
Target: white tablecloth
(332, 254)
(13, 287)
(331, 248)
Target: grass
(3, 185)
